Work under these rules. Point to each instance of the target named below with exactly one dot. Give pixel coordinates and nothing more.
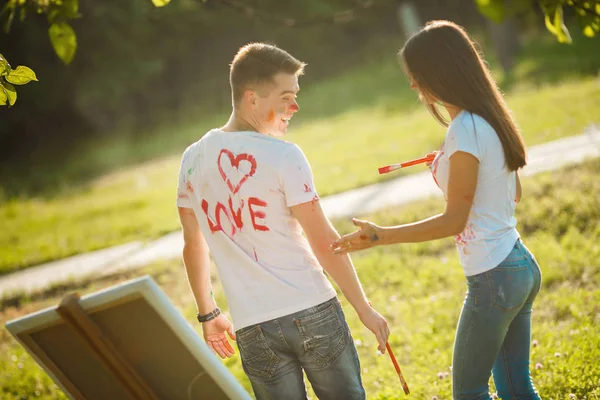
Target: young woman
(476, 168)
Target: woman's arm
(462, 183)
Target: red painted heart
(235, 163)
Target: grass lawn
(420, 288)
(349, 126)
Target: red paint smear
(235, 162)
(363, 237)
(188, 186)
(253, 201)
(255, 256)
(314, 201)
(434, 167)
(237, 214)
(271, 116)
(182, 196)
(307, 188)
(219, 209)
(213, 227)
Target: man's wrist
(210, 316)
(363, 309)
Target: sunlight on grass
(348, 126)
(420, 289)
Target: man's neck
(237, 123)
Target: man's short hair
(258, 63)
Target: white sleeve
(184, 190)
(297, 178)
(462, 137)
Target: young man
(248, 196)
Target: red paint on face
(271, 116)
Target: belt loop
(519, 245)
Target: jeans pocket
(510, 286)
(323, 335)
(258, 360)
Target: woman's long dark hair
(443, 61)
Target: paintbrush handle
(402, 380)
(393, 167)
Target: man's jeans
(494, 330)
(316, 340)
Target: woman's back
(490, 232)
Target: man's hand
(214, 335)
(378, 325)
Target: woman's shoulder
(473, 124)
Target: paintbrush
(393, 167)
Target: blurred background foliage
(139, 71)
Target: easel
(104, 350)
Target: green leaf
(589, 31)
(3, 94)
(71, 7)
(160, 3)
(21, 75)
(10, 92)
(3, 65)
(556, 25)
(63, 41)
(492, 9)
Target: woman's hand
(433, 154)
(369, 235)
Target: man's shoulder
(198, 143)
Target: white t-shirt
(241, 186)
(490, 233)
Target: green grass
(348, 126)
(420, 288)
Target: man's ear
(250, 97)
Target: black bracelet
(211, 315)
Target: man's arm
(197, 267)
(197, 261)
(320, 233)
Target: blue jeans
(494, 330)
(317, 341)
